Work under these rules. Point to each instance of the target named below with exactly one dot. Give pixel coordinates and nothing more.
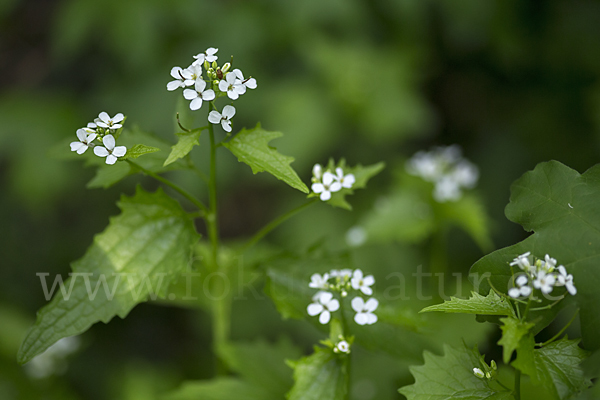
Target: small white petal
(328, 178)
(371, 318)
(358, 304)
(368, 280)
(361, 318)
(173, 85)
(175, 72)
(314, 309)
(514, 293)
(521, 280)
(525, 291)
(116, 126)
(232, 94)
(349, 181)
(119, 151)
(101, 151)
(190, 94)
(200, 85)
(366, 290)
(371, 304)
(228, 111)
(325, 297)
(571, 288)
(118, 118)
(333, 305)
(251, 83)
(196, 103)
(317, 187)
(82, 135)
(357, 274)
(326, 195)
(109, 142)
(223, 85)
(335, 187)
(110, 159)
(324, 317)
(104, 117)
(226, 125)
(208, 95)
(214, 117)
(75, 146)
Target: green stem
(173, 186)
(221, 324)
(553, 338)
(517, 388)
(274, 224)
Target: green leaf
(185, 144)
(322, 375)
(513, 331)
(138, 255)
(561, 207)
(251, 146)
(492, 304)
(555, 366)
(451, 377)
(362, 175)
(219, 389)
(139, 150)
(108, 175)
(262, 364)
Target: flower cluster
(342, 282)
(446, 169)
(539, 274)
(103, 130)
(326, 182)
(220, 81)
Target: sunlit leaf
(492, 304)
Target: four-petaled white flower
(544, 281)
(324, 304)
(208, 55)
(106, 122)
(249, 83)
(345, 180)
(364, 310)
(216, 117)
(522, 289)
(85, 141)
(327, 186)
(342, 347)
(319, 282)
(478, 373)
(232, 86)
(198, 94)
(361, 283)
(565, 279)
(109, 150)
(183, 78)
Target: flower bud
(478, 373)
(226, 67)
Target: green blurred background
(514, 82)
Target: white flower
(345, 180)
(465, 174)
(249, 83)
(232, 86)
(198, 94)
(522, 289)
(545, 282)
(106, 122)
(183, 78)
(523, 262)
(549, 263)
(208, 55)
(356, 236)
(361, 283)
(565, 279)
(319, 282)
(324, 304)
(446, 189)
(109, 150)
(341, 273)
(478, 373)
(225, 119)
(342, 347)
(329, 185)
(364, 311)
(85, 141)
